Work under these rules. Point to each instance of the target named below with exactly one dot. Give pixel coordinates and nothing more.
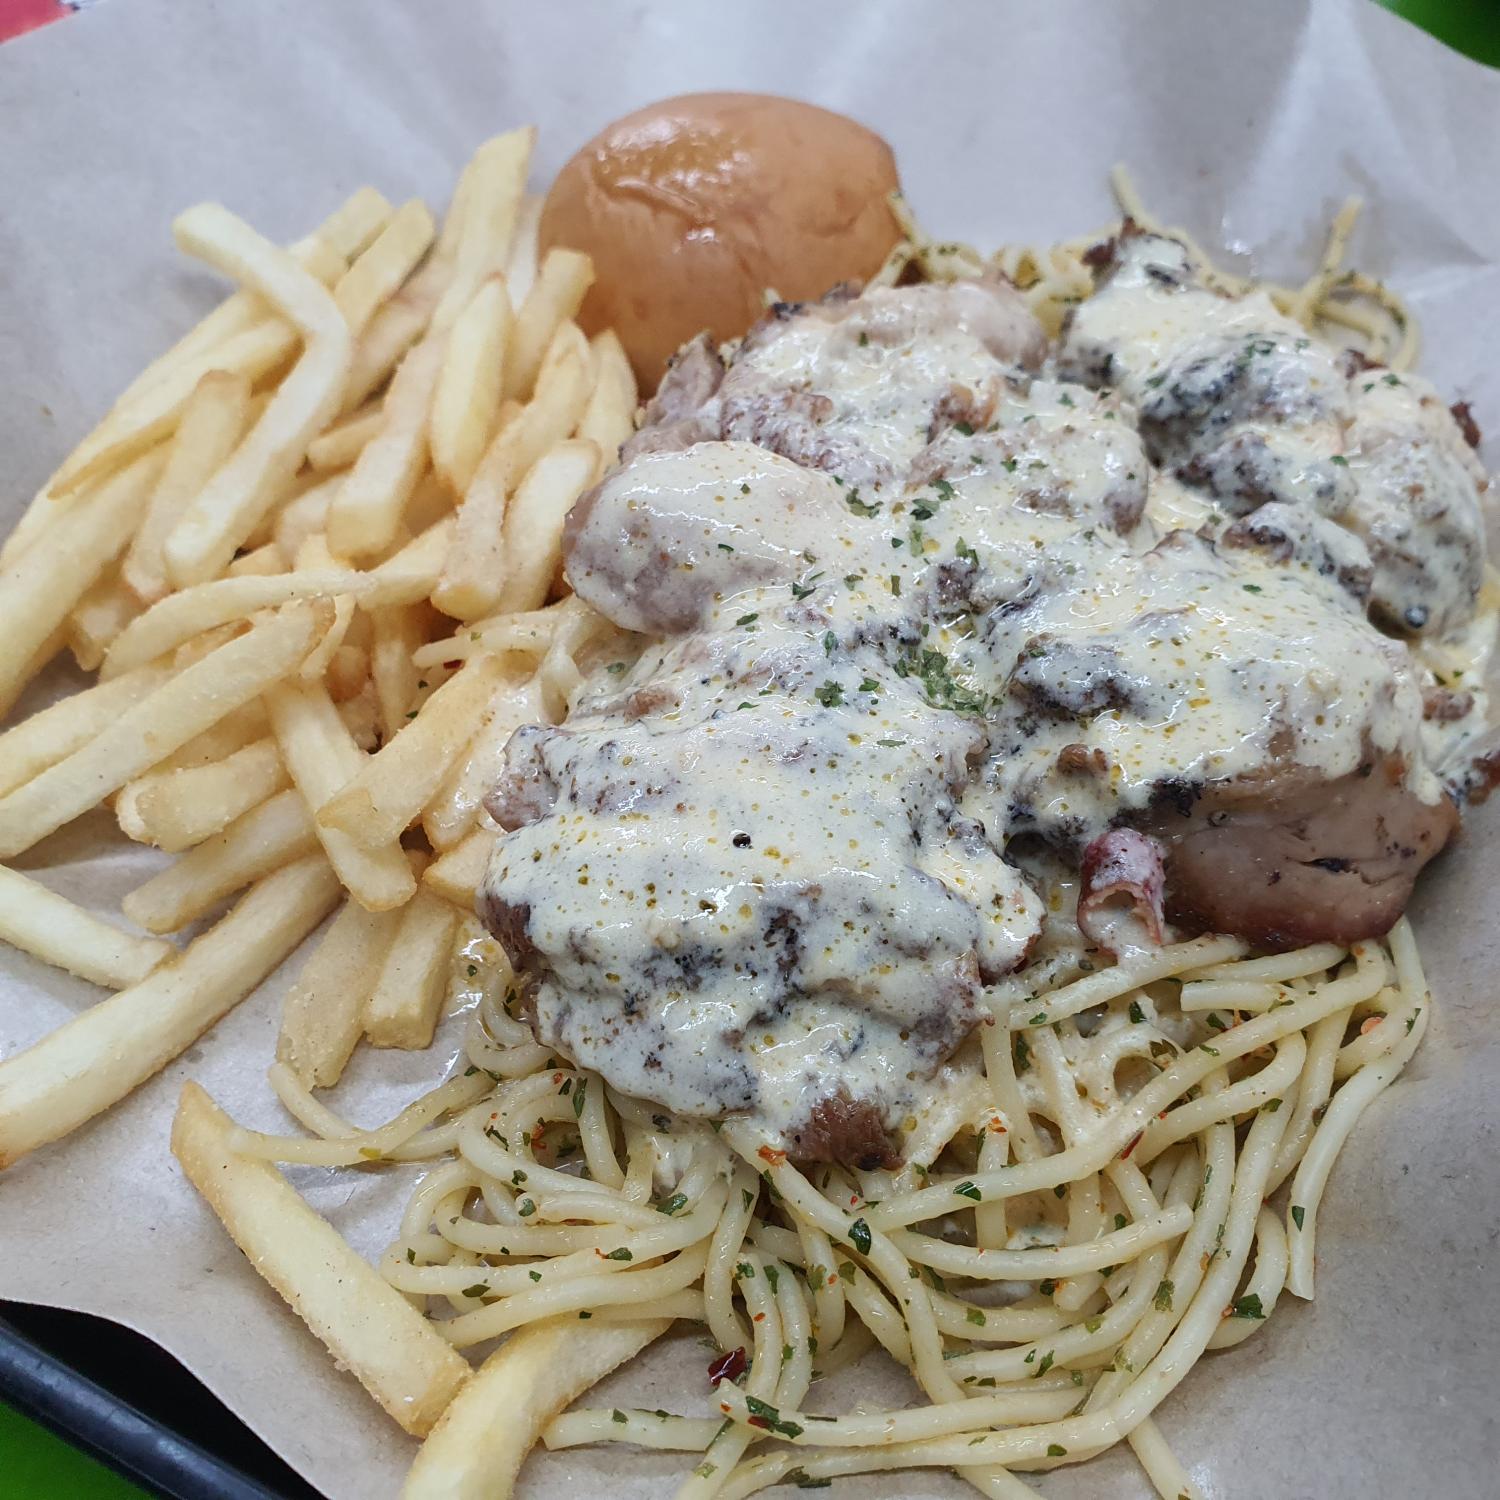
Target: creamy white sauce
(763, 868)
(1416, 503)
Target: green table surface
(35, 1465)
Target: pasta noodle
(1079, 1219)
(1129, 1273)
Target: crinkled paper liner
(1247, 123)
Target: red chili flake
(1135, 1141)
(759, 1422)
(759, 1318)
(454, 665)
(727, 1367)
(772, 1155)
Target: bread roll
(693, 207)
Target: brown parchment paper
(1246, 122)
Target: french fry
(367, 507)
(58, 730)
(181, 616)
(402, 1009)
(453, 221)
(262, 840)
(470, 246)
(157, 724)
(562, 280)
(492, 188)
(40, 588)
(480, 1442)
(177, 809)
(322, 757)
(108, 607)
(53, 929)
(98, 618)
(349, 671)
(356, 222)
(320, 658)
(156, 412)
(364, 1322)
(359, 716)
(379, 272)
(299, 518)
(46, 651)
(410, 575)
(342, 443)
(466, 400)
(457, 875)
(609, 417)
(396, 783)
(397, 631)
(534, 521)
(358, 634)
(520, 266)
(213, 421)
(102, 1054)
(430, 503)
(323, 1015)
(241, 313)
(395, 329)
(326, 252)
(228, 507)
(240, 727)
(241, 334)
(451, 813)
(474, 571)
(260, 563)
(314, 555)
(532, 634)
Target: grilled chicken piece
(1229, 711)
(841, 1128)
(762, 899)
(1293, 858)
(1237, 400)
(1416, 505)
(832, 385)
(1234, 397)
(680, 414)
(659, 542)
(1302, 539)
(910, 602)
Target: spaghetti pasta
(782, 1262)
(1079, 1218)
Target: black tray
(67, 1371)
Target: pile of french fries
(313, 554)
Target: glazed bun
(691, 208)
